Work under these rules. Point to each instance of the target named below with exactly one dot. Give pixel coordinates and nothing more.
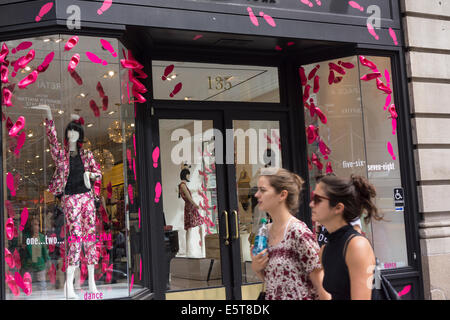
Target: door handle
(237, 224)
(227, 235)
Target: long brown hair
(355, 193)
(281, 179)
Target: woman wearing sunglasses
(291, 270)
(348, 259)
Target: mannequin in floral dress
(192, 217)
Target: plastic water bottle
(261, 238)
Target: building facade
(182, 104)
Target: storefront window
(71, 209)
(351, 127)
(175, 80)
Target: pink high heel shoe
(30, 79)
(381, 86)
(303, 79)
(23, 61)
(4, 74)
(347, 65)
(366, 62)
(20, 123)
(313, 72)
(321, 116)
(139, 86)
(306, 93)
(331, 77)
(23, 218)
(76, 77)
(336, 68)
(316, 84)
(316, 161)
(74, 61)
(71, 43)
(7, 96)
(329, 168)
(94, 108)
(324, 149)
(12, 284)
(9, 226)
(105, 102)
(46, 63)
(312, 133)
(155, 157)
(9, 258)
(371, 76)
(100, 90)
(4, 53)
(131, 64)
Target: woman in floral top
(291, 270)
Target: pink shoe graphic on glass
(16, 257)
(108, 47)
(46, 63)
(76, 77)
(393, 36)
(306, 93)
(23, 61)
(71, 43)
(324, 149)
(388, 101)
(329, 168)
(27, 282)
(94, 108)
(131, 64)
(331, 77)
(30, 79)
(168, 70)
(138, 86)
(347, 65)
(20, 124)
(366, 62)
(303, 79)
(321, 116)
(4, 53)
(10, 228)
(105, 6)
(20, 143)
(155, 157)
(393, 112)
(356, 5)
(7, 96)
(405, 290)
(336, 68)
(100, 90)
(268, 19)
(93, 58)
(391, 150)
(157, 192)
(252, 16)
(23, 218)
(130, 193)
(4, 72)
(52, 274)
(316, 161)
(312, 133)
(381, 86)
(74, 61)
(177, 89)
(12, 284)
(43, 11)
(372, 31)
(371, 76)
(105, 101)
(9, 258)
(316, 84)
(313, 72)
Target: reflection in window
(71, 198)
(214, 82)
(350, 117)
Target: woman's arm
(360, 261)
(316, 277)
(259, 262)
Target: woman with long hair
(348, 259)
(290, 267)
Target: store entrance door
(210, 161)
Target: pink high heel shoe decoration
(93, 58)
(388, 101)
(74, 61)
(177, 89)
(370, 76)
(12, 284)
(329, 168)
(321, 116)
(306, 93)
(131, 64)
(394, 125)
(324, 149)
(312, 133)
(331, 77)
(308, 3)
(252, 16)
(46, 63)
(23, 218)
(9, 209)
(43, 11)
(366, 62)
(20, 143)
(347, 65)
(393, 36)
(4, 53)
(16, 257)
(336, 68)
(381, 86)
(316, 84)
(130, 193)
(309, 164)
(9, 226)
(105, 101)
(129, 158)
(108, 47)
(7, 96)
(356, 5)
(393, 112)
(168, 70)
(4, 72)
(405, 291)
(316, 161)
(268, 19)
(25, 60)
(9, 259)
(303, 79)
(138, 86)
(20, 124)
(30, 79)
(157, 192)
(155, 157)
(391, 150)
(313, 72)
(94, 108)
(372, 31)
(105, 6)
(100, 90)
(76, 77)
(71, 43)
(140, 74)
(139, 216)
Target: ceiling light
(173, 76)
(111, 112)
(111, 73)
(82, 95)
(169, 79)
(132, 125)
(90, 125)
(37, 157)
(30, 134)
(46, 40)
(27, 68)
(41, 169)
(58, 40)
(48, 150)
(60, 111)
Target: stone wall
(427, 34)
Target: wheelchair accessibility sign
(399, 199)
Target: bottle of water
(261, 238)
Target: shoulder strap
(344, 251)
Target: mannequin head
(185, 175)
(74, 134)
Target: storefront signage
(399, 200)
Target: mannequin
(75, 168)
(244, 189)
(192, 217)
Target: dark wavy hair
(355, 193)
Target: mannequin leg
(91, 275)
(88, 224)
(69, 292)
(77, 278)
(202, 240)
(188, 241)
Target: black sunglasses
(317, 199)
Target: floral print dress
(290, 262)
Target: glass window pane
(175, 80)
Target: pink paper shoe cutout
(93, 58)
(7, 96)
(46, 63)
(74, 61)
(43, 11)
(108, 47)
(366, 62)
(76, 77)
(306, 93)
(347, 65)
(12, 284)
(71, 43)
(105, 6)
(336, 68)
(157, 192)
(131, 64)
(252, 16)
(312, 133)
(321, 116)
(393, 36)
(9, 226)
(303, 79)
(9, 258)
(4, 53)
(313, 72)
(372, 31)
(316, 84)
(25, 60)
(4, 72)
(20, 143)
(177, 89)
(324, 149)
(329, 168)
(155, 157)
(94, 108)
(370, 76)
(30, 79)
(23, 218)
(100, 90)
(381, 86)
(268, 19)
(391, 150)
(168, 70)
(316, 161)
(356, 5)
(20, 124)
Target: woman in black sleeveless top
(348, 259)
